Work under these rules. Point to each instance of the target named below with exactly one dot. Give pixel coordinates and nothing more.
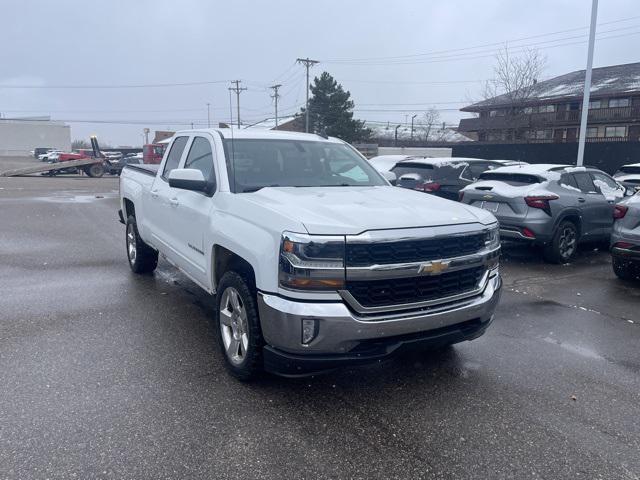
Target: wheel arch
(224, 260)
(128, 207)
(570, 215)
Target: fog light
(309, 330)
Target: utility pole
(395, 138)
(146, 136)
(412, 119)
(587, 84)
(238, 89)
(307, 63)
(275, 97)
(208, 116)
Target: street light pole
(587, 84)
(208, 117)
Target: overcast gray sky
(140, 42)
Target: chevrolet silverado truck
(316, 261)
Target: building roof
(606, 81)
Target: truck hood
(353, 210)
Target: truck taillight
(619, 211)
(428, 187)
(541, 202)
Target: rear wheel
(95, 170)
(564, 245)
(624, 269)
(239, 333)
(142, 258)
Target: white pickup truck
(316, 260)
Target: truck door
(157, 207)
(190, 213)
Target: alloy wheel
(234, 326)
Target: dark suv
(443, 177)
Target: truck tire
(95, 170)
(142, 258)
(564, 245)
(624, 269)
(238, 327)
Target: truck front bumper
(344, 338)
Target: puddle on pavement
(582, 351)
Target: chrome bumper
(339, 330)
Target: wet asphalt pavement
(104, 374)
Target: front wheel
(564, 245)
(142, 258)
(239, 332)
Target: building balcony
(560, 118)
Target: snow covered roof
(435, 133)
(535, 169)
(269, 123)
(606, 81)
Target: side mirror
(391, 177)
(187, 179)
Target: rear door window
(566, 179)
(175, 154)
(584, 182)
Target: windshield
(511, 178)
(253, 164)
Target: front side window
(200, 157)
(253, 164)
(175, 154)
(604, 181)
(615, 131)
(474, 170)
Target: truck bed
(144, 168)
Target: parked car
(49, 155)
(629, 176)
(443, 177)
(115, 166)
(625, 239)
(555, 206)
(40, 151)
(316, 260)
(112, 155)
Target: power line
(435, 52)
(148, 85)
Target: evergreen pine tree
(331, 111)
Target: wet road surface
(105, 374)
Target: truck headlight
(311, 262)
(492, 238)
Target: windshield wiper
(256, 188)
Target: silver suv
(555, 206)
(625, 239)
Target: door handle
(581, 199)
(174, 202)
(154, 193)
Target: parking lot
(109, 375)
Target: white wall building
(19, 136)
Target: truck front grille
(388, 292)
(422, 250)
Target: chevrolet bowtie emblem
(435, 267)
(487, 197)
